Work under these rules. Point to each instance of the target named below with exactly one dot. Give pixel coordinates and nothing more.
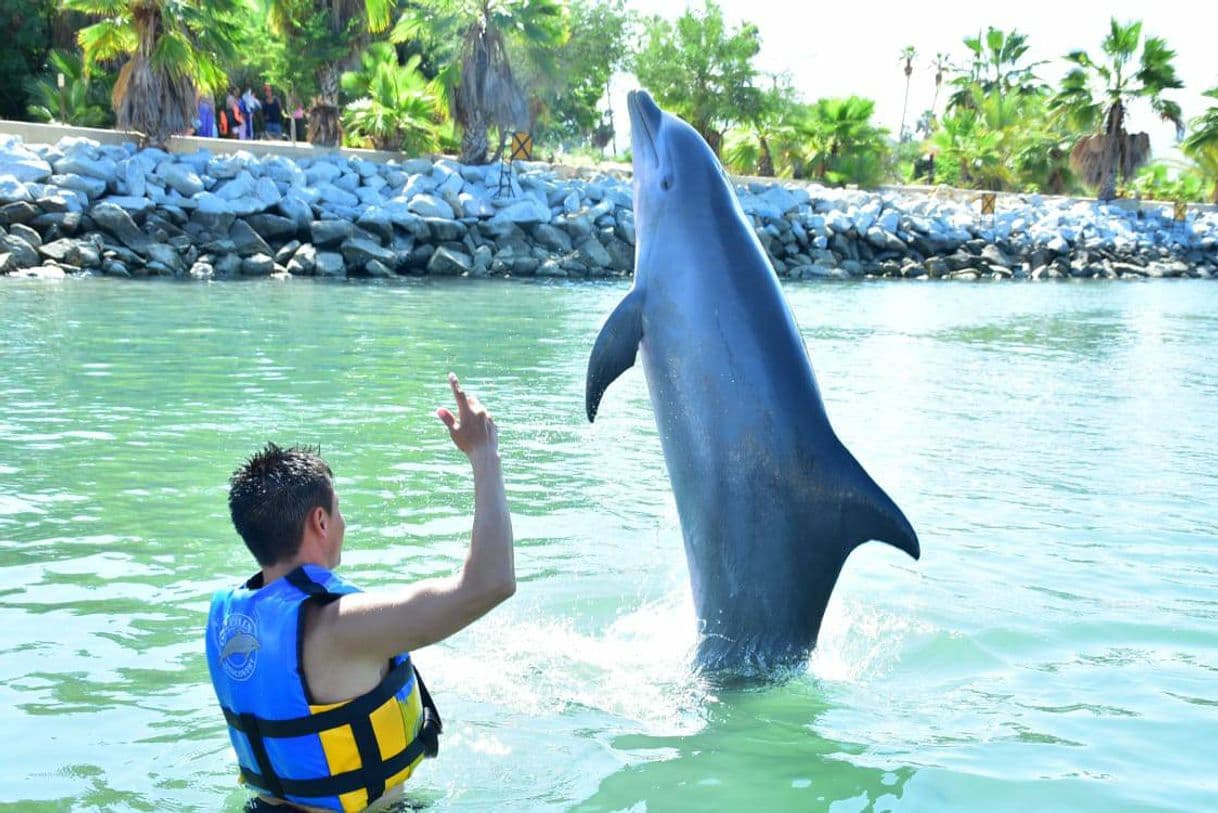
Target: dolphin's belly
(739, 454)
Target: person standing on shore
(325, 709)
(250, 105)
(272, 113)
(207, 117)
(232, 108)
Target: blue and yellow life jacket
(336, 756)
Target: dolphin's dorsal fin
(615, 349)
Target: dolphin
(240, 644)
(770, 501)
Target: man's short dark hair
(271, 496)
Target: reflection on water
(1053, 445)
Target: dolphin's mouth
(645, 118)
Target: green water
(1054, 445)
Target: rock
(330, 233)
(92, 187)
(19, 212)
(578, 226)
(12, 190)
(526, 210)
(115, 268)
(475, 205)
(21, 254)
(996, 256)
(21, 163)
(229, 265)
(330, 264)
(417, 166)
(340, 197)
(552, 238)
(246, 241)
(26, 233)
(166, 256)
(117, 222)
(306, 258)
(376, 221)
(40, 272)
(445, 262)
(135, 183)
(286, 252)
(296, 210)
(102, 169)
(258, 265)
(64, 251)
(131, 204)
(378, 270)
(180, 177)
(322, 172)
(358, 251)
(239, 188)
(272, 228)
(431, 206)
(885, 241)
(593, 254)
(445, 231)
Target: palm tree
(769, 132)
(396, 107)
(80, 102)
(845, 147)
(1110, 147)
(996, 68)
(1202, 142)
(482, 91)
(334, 30)
(907, 56)
(941, 64)
(170, 48)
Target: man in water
(325, 710)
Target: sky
(843, 48)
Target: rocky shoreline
(79, 207)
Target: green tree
(169, 49)
(1095, 96)
(582, 68)
(996, 67)
(1202, 142)
(25, 26)
(700, 71)
(481, 89)
(395, 107)
(842, 144)
(941, 65)
(325, 34)
(907, 56)
(83, 101)
(769, 141)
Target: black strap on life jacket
(373, 772)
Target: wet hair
(271, 496)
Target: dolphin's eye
(666, 182)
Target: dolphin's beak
(645, 117)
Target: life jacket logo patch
(239, 646)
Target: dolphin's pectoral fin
(870, 514)
(615, 349)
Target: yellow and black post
(522, 149)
